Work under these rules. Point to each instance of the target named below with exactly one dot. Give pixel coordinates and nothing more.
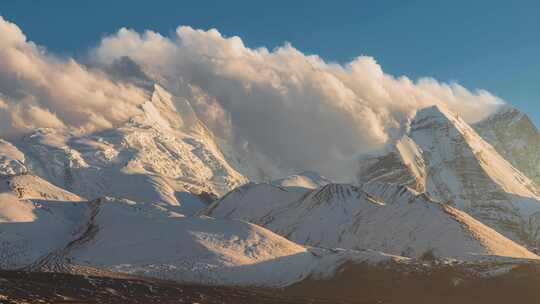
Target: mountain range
(160, 196)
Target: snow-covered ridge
(46, 228)
(378, 216)
(202, 249)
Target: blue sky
(492, 45)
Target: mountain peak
(436, 110)
(506, 112)
(445, 157)
(509, 116)
(435, 115)
(515, 137)
(167, 112)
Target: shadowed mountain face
(515, 137)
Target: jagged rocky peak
(437, 114)
(168, 112)
(507, 113)
(434, 121)
(515, 137)
(452, 140)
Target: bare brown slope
(33, 287)
(414, 284)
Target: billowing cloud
(40, 90)
(296, 109)
(282, 109)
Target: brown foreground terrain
(446, 284)
(41, 287)
(358, 283)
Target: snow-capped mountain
(378, 216)
(137, 197)
(515, 137)
(164, 154)
(150, 240)
(443, 156)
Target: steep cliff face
(515, 137)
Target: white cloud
(40, 90)
(298, 111)
(303, 112)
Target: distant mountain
(165, 154)
(515, 137)
(443, 156)
(383, 217)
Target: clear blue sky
(493, 44)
